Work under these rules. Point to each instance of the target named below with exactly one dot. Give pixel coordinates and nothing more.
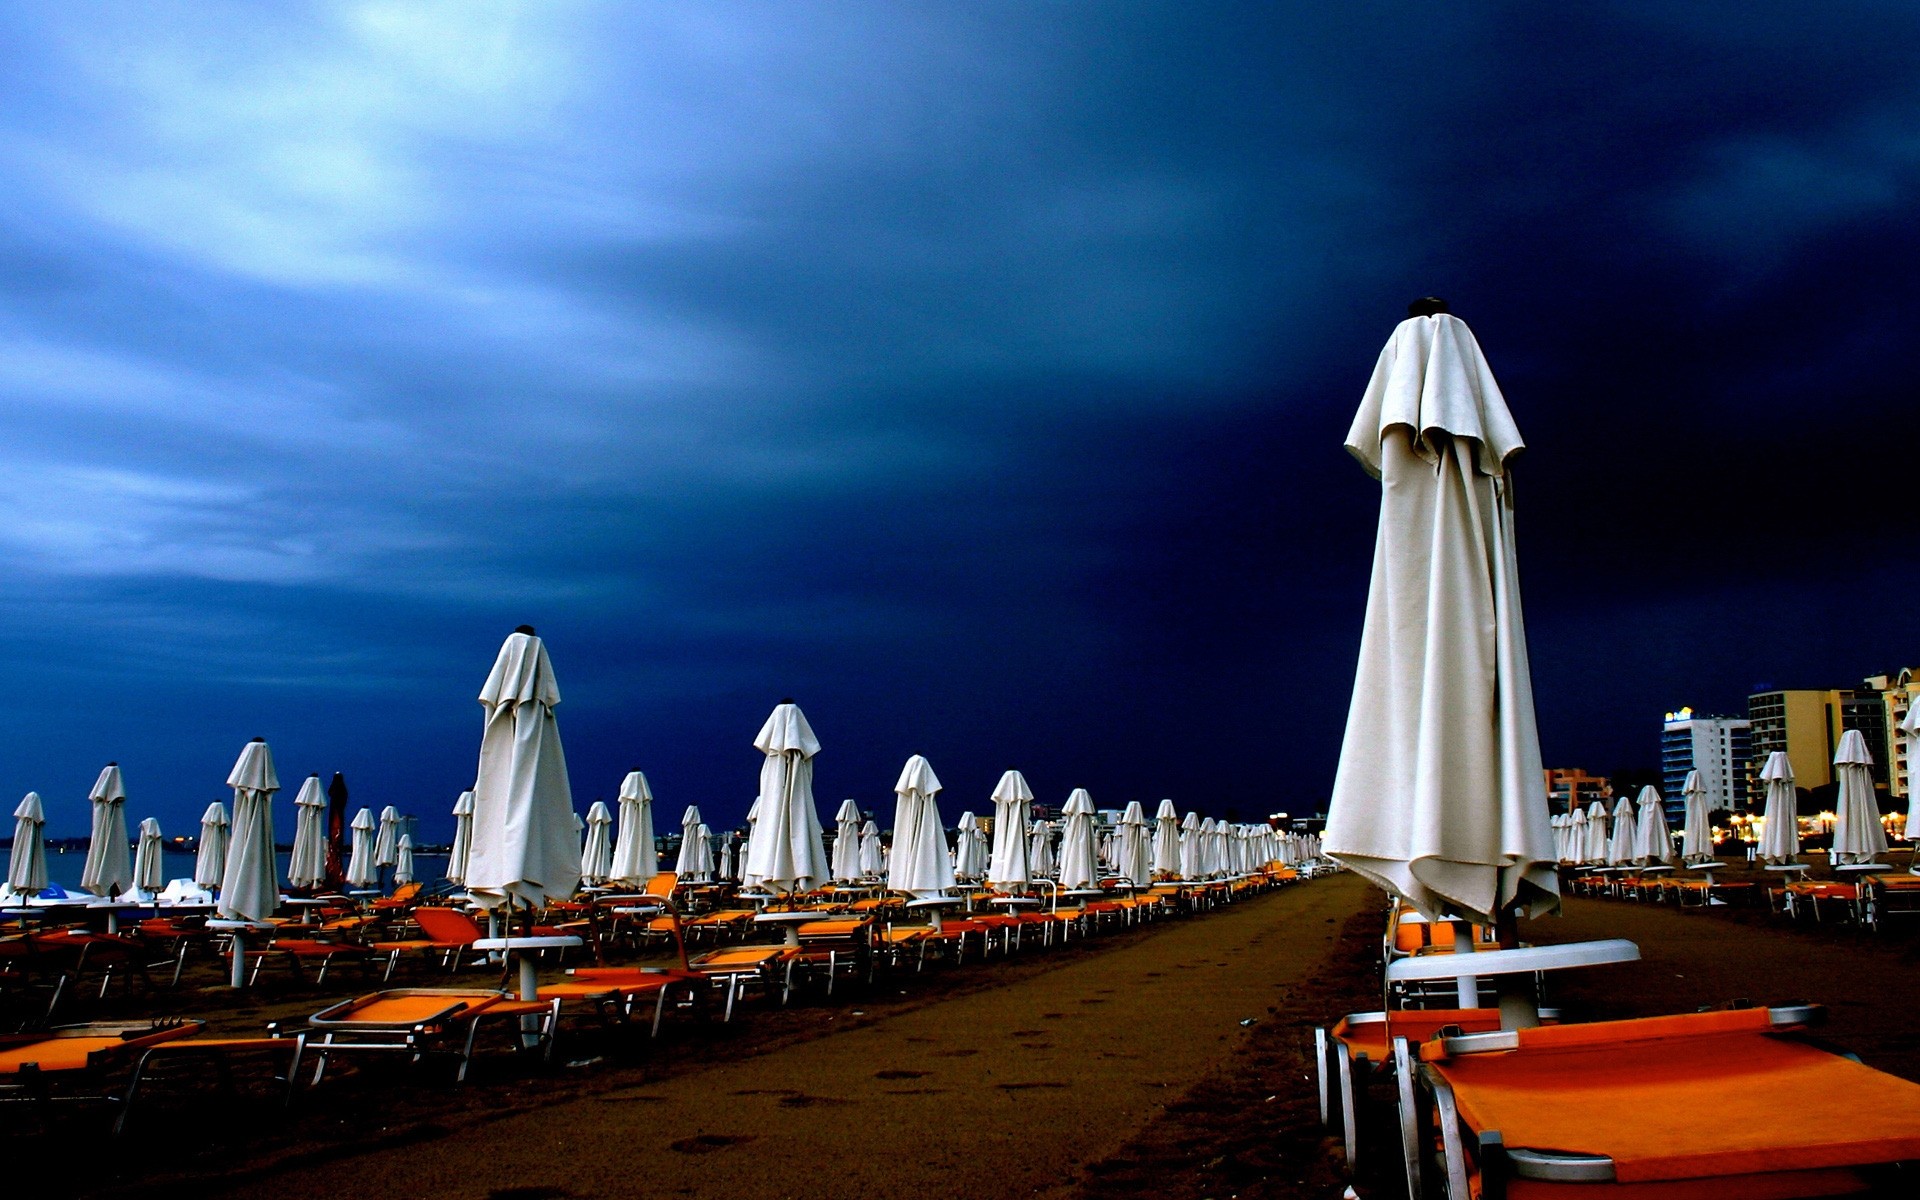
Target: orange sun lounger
(418, 1022)
(1724, 1105)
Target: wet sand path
(1008, 1091)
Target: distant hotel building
(1569, 788)
(1717, 747)
(1899, 693)
(1807, 724)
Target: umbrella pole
(1519, 1002)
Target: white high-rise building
(1717, 747)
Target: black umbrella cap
(1427, 306)
(526, 629)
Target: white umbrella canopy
(250, 889)
(1011, 864)
(746, 850)
(703, 865)
(1166, 839)
(210, 860)
(1653, 841)
(1437, 797)
(108, 869)
(1910, 729)
(1135, 852)
(1559, 837)
(307, 866)
(1858, 836)
(27, 864)
(1696, 833)
(1040, 860)
(919, 864)
(636, 858)
(687, 865)
(969, 848)
(149, 869)
(1594, 851)
(403, 859)
(361, 872)
(787, 852)
(524, 849)
(386, 844)
(1209, 848)
(1780, 832)
(846, 842)
(1191, 850)
(462, 838)
(872, 861)
(1077, 866)
(1620, 842)
(724, 861)
(596, 856)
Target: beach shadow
(1027, 1087)
(705, 1143)
(901, 1074)
(529, 1192)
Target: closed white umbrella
(1133, 856)
(1077, 866)
(969, 848)
(386, 844)
(1620, 842)
(1780, 832)
(919, 864)
(1594, 852)
(596, 857)
(1166, 839)
(1437, 797)
(307, 866)
(524, 848)
(250, 889)
(27, 865)
(1011, 864)
(1858, 836)
(210, 861)
(107, 869)
(149, 869)
(788, 853)
(462, 838)
(1559, 837)
(687, 865)
(1653, 841)
(703, 865)
(1191, 850)
(636, 858)
(1040, 857)
(1208, 834)
(724, 862)
(846, 842)
(746, 851)
(361, 872)
(403, 859)
(873, 860)
(1910, 729)
(1696, 834)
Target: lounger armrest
(1525, 961)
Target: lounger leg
(660, 1010)
(1349, 1127)
(179, 961)
(1320, 1071)
(1409, 1116)
(1448, 1118)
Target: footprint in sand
(968, 1053)
(1051, 1016)
(1027, 1032)
(1098, 1000)
(916, 1091)
(901, 1074)
(802, 1100)
(707, 1143)
(1027, 1087)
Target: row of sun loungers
(1870, 899)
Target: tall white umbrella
(703, 865)
(1559, 837)
(149, 869)
(1858, 836)
(1437, 797)
(746, 850)
(788, 853)
(210, 860)
(1910, 729)
(1011, 864)
(1134, 852)
(1653, 841)
(1166, 839)
(846, 842)
(636, 858)
(361, 872)
(1780, 833)
(724, 861)
(107, 869)
(872, 861)
(403, 859)
(27, 865)
(969, 849)
(386, 844)
(1077, 866)
(919, 864)
(462, 838)
(1040, 858)
(687, 866)
(1620, 843)
(524, 848)
(1696, 834)
(1190, 848)
(1209, 848)
(250, 889)
(307, 866)
(1594, 852)
(596, 857)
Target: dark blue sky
(975, 374)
